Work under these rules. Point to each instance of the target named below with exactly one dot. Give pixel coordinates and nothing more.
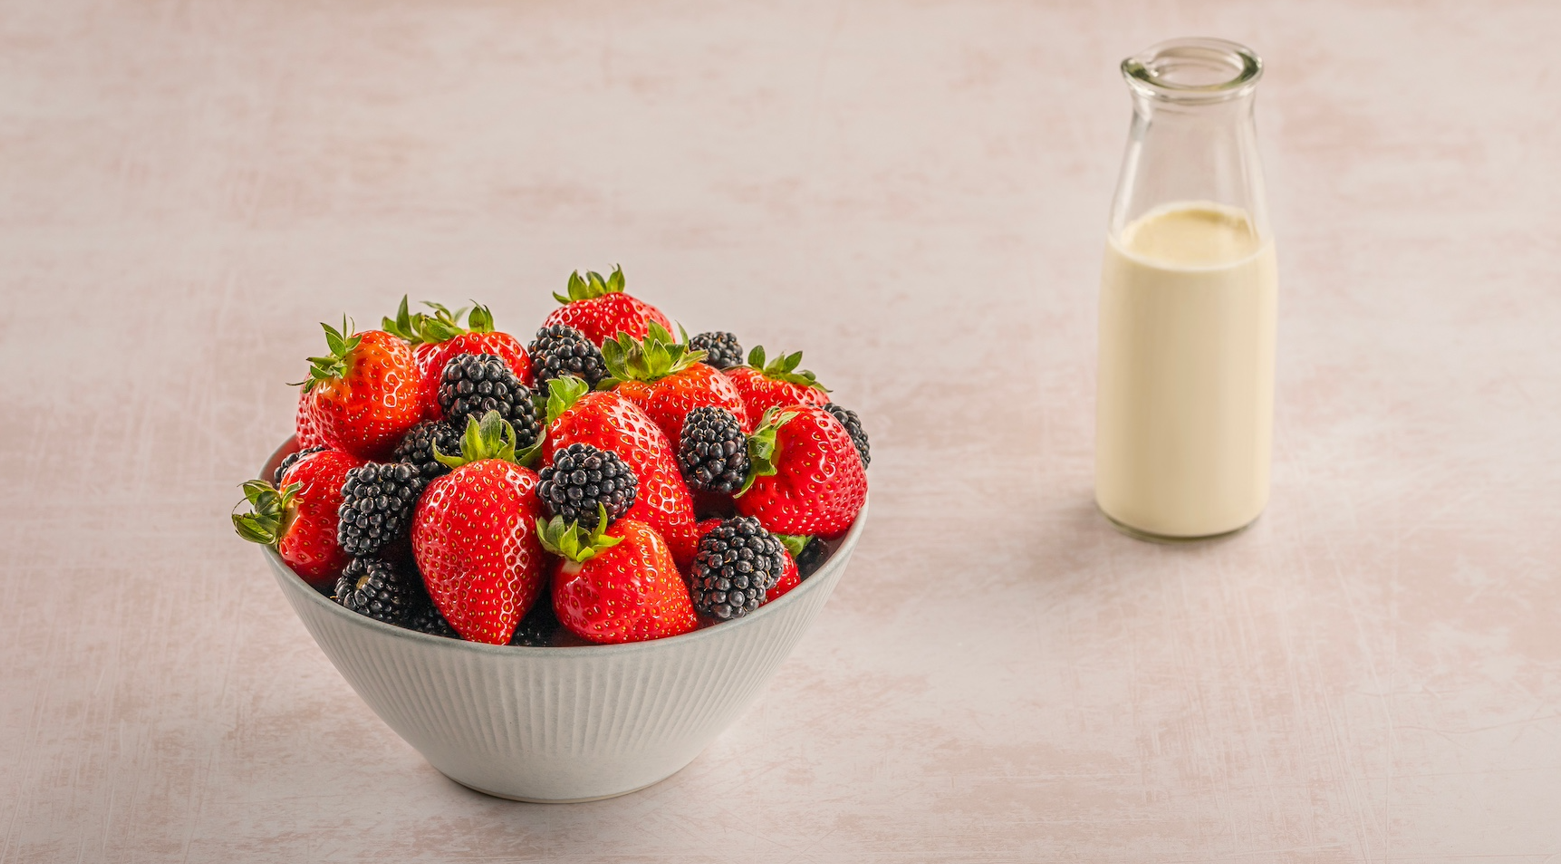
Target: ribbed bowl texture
(561, 724)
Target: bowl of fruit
(558, 569)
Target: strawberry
(618, 583)
(789, 580)
(806, 476)
(297, 515)
(473, 537)
(608, 421)
(791, 577)
(438, 337)
(362, 395)
(666, 380)
(304, 427)
(776, 385)
(597, 307)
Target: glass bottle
(1185, 397)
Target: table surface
(913, 193)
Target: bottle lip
(1194, 71)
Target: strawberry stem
(784, 368)
(795, 543)
(333, 365)
(762, 447)
(650, 359)
(492, 438)
(592, 285)
(562, 393)
(480, 320)
(442, 326)
(270, 512)
(573, 543)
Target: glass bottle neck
(1193, 140)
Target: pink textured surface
(915, 194)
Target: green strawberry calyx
(440, 326)
(490, 438)
(573, 543)
(784, 368)
(762, 448)
(650, 359)
(562, 393)
(271, 511)
(592, 285)
(795, 543)
(332, 366)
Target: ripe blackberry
(417, 448)
(425, 618)
(537, 628)
(291, 458)
(713, 451)
(562, 350)
(811, 557)
(738, 561)
(474, 384)
(376, 506)
(378, 589)
(853, 424)
(724, 351)
(580, 478)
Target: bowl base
(483, 791)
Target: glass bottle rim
(1194, 71)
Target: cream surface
(1186, 389)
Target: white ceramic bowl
(560, 724)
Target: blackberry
(425, 618)
(738, 561)
(580, 478)
(853, 424)
(723, 349)
(290, 459)
(417, 448)
(562, 350)
(378, 589)
(811, 557)
(713, 450)
(474, 384)
(537, 628)
(376, 506)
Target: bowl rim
(847, 544)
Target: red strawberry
(608, 421)
(438, 337)
(297, 516)
(473, 536)
(807, 477)
(304, 427)
(617, 584)
(597, 307)
(667, 380)
(775, 386)
(363, 395)
(789, 580)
